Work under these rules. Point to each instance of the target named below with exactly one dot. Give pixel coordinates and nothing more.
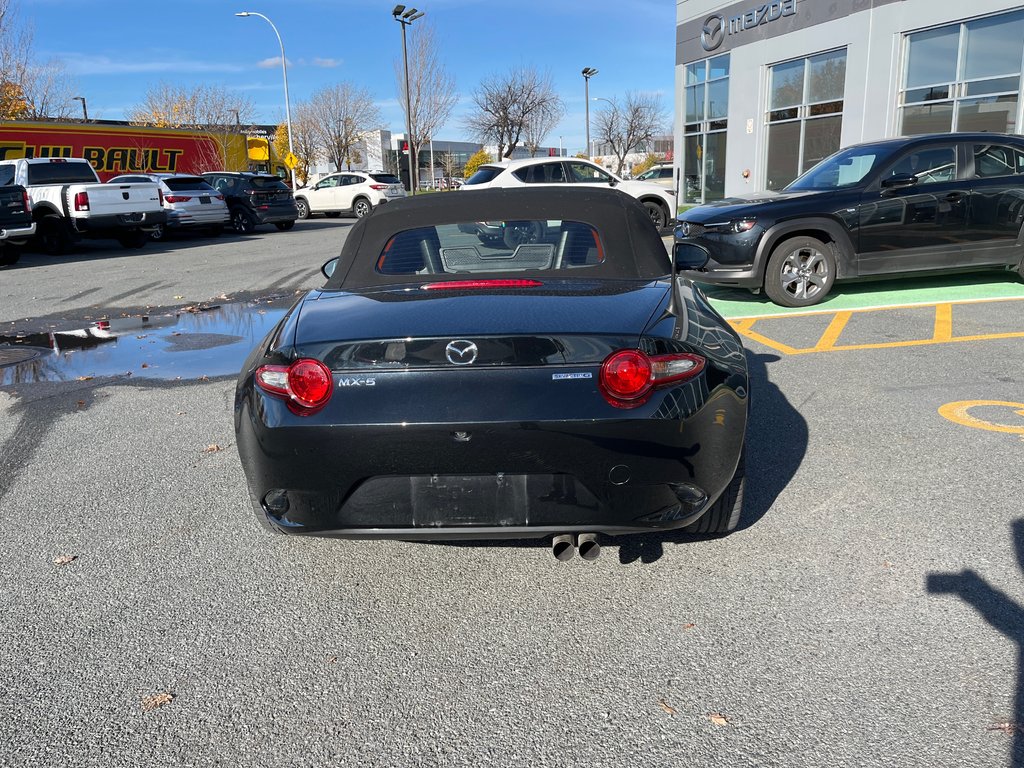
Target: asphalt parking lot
(868, 612)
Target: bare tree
(29, 89)
(631, 126)
(540, 124)
(449, 163)
(340, 115)
(507, 104)
(432, 91)
(305, 140)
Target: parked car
(253, 199)
(662, 174)
(355, 192)
(544, 171)
(435, 390)
(191, 203)
(69, 203)
(16, 225)
(898, 207)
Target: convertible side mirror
(329, 266)
(689, 256)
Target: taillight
(81, 201)
(459, 285)
(177, 198)
(306, 384)
(219, 197)
(628, 376)
(378, 186)
(26, 200)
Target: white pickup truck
(69, 203)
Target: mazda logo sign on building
(713, 33)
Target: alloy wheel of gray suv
(800, 272)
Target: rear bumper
(118, 222)
(276, 213)
(508, 480)
(198, 218)
(17, 233)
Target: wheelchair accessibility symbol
(985, 413)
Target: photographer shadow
(1003, 613)
(776, 443)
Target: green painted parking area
(738, 303)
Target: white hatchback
(354, 192)
(659, 201)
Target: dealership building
(767, 89)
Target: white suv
(659, 201)
(355, 192)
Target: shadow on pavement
(1003, 613)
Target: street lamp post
(405, 18)
(284, 69)
(588, 72)
(85, 111)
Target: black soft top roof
(633, 246)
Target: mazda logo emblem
(461, 352)
(713, 33)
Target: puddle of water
(184, 345)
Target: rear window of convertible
(492, 247)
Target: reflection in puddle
(185, 345)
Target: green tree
(645, 164)
(475, 162)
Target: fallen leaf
(64, 559)
(179, 297)
(332, 659)
(1004, 727)
(181, 413)
(85, 378)
(144, 365)
(665, 705)
(203, 378)
(149, 703)
(81, 403)
(691, 625)
(142, 336)
(718, 719)
(212, 448)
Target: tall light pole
(405, 18)
(85, 111)
(284, 69)
(588, 72)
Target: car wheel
(159, 232)
(724, 515)
(800, 272)
(133, 239)
(9, 254)
(303, 208)
(659, 217)
(284, 226)
(362, 208)
(521, 232)
(53, 236)
(332, 214)
(242, 222)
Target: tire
(724, 515)
(303, 208)
(133, 239)
(242, 222)
(658, 214)
(159, 232)
(522, 233)
(361, 208)
(284, 226)
(9, 254)
(53, 236)
(800, 272)
(332, 214)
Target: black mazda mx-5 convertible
(556, 381)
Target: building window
(805, 114)
(706, 100)
(964, 77)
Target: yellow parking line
(776, 345)
(743, 325)
(943, 323)
(833, 332)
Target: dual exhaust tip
(565, 545)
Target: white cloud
(327, 63)
(271, 62)
(84, 64)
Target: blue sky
(117, 49)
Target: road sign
(291, 161)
